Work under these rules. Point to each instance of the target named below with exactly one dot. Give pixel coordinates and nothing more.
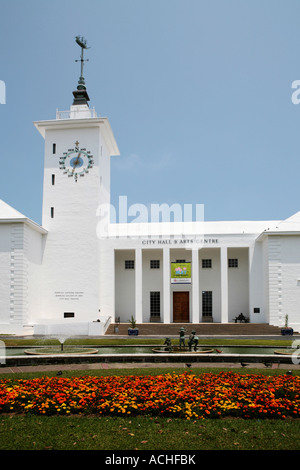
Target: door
(181, 307)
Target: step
(165, 329)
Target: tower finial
(80, 95)
(82, 43)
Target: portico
(217, 291)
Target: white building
(77, 268)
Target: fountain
(52, 350)
(61, 338)
(67, 354)
(167, 352)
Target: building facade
(80, 270)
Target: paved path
(119, 366)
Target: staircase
(202, 329)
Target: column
(250, 280)
(107, 278)
(195, 286)
(224, 285)
(166, 285)
(138, 285)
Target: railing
(107, 323)
(76, 113)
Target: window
(154, 264)
(52, 212)
(207, 303)
(54, 148)
(129, 264)
(53, 180)
(154, 304)
(233, 263)
(206, 263)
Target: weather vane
(80, 95)
(82, 43)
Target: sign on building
(181, 273)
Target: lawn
(118, 433)
(10, 341)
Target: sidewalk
(129, 366)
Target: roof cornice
(99, 122)
(25, 221)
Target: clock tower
(78, 147)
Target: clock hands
(77, 159)
(76, 162)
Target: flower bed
(176, 395)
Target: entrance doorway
(181, 307)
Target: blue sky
(198, 94)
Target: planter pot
(133, 331)
(287, 331)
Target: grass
(155, 370)
(141, 341)
(139, 433)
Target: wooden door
(181, 307)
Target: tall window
(207, 303)
(53, 180)
(155, 304)
(52, 212)
(54, 148)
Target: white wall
(5, 272)
(265, 284)
(257, 283)
(282, 279)
(210, 280)
(34, 259)
(124, 285)
(152, 281)
(290, 259)
(238, 282)
(71, 257)
(106, 280)
(20, 274)
(276, 315)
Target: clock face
(76, 162)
